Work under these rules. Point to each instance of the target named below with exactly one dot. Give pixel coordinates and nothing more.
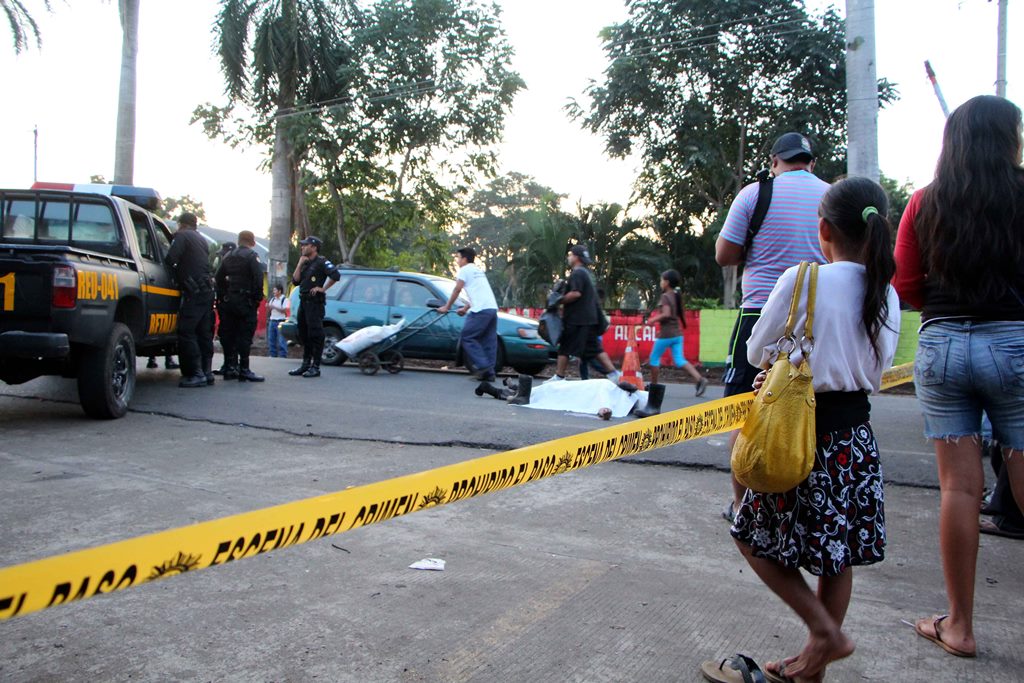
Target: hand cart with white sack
(379, 346)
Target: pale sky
(69, 90)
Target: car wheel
(106, 376)
(534, 369)
(499, 359)
(332, 354)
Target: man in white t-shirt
(480, 332)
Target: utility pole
(1001, 52)
(935, 85)
(861, 90)
(35, 154)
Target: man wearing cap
(313, 275)
(580, 318)
(239, 293)
(189, 257)
(480, 332)
(788, 234)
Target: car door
(364, 302)
(409, 300)
(162, 292)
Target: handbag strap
(794, 304)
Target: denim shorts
(965, 367)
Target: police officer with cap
(313, 275)
(239, 292)
(189, 257)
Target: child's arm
(761, 347)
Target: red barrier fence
(623, 325)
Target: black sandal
(741, 669)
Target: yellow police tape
(59, 579)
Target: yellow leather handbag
(775, 449)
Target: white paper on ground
(429, 563)
(585, 396)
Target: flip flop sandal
(997, 527)
(739, 669)
(729, 513)
(937, 638)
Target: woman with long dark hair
(960, 259)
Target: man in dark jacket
(313, 275)
(189, 258)
(239, 293)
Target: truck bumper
(27, 345)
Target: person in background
(169, 363)
(787, 235)
(480, 331)
(190, 259)
(313, 275)
(669, 316)
(278, 309)
(960, 259)
(239, 292)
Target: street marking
(59, 579)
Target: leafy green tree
(23, 24)
(703, 87)
(421, 101)
(276, 54)
(172, 207)
(540, 247)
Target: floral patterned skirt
(833, 520)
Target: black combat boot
(312, 371)
(491, 390)
(247, 375)
(192, 382)
(655, 395)
(301, 370)
(522, 395)
(230, 372)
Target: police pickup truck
(83, 288)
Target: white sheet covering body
(586, 396)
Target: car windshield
(447, 287)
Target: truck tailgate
(25, 289)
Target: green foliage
(23, 25)
(899, 197)
(172, 207)
(395, 115)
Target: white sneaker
(554, 378)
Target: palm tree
(124, 145)
(276, 54)
(23, 26)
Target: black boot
(312, 371)
(522, 395)
(247, 375)
(491, 390)
(230, 372)
(192, 382)
(301, 370)
(655, 395)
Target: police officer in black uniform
(239, 293)
(189, 258)
(313, 275)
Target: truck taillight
(65, 287)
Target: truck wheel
(106, 376)
(332, 354)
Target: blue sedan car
(379, 297)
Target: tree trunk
(280, 205)
(124, 146)
(729, 286)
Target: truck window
(83, 224)
(163, 235)
(141, 224)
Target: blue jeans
(480, 340)
(963, 368)
(275, 340)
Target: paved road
(620, 572)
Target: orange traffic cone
(631, 363)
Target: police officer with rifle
(239, 293)
(189, 258)
(313, 275)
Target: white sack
(367, 337)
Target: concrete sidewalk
(620, 572)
